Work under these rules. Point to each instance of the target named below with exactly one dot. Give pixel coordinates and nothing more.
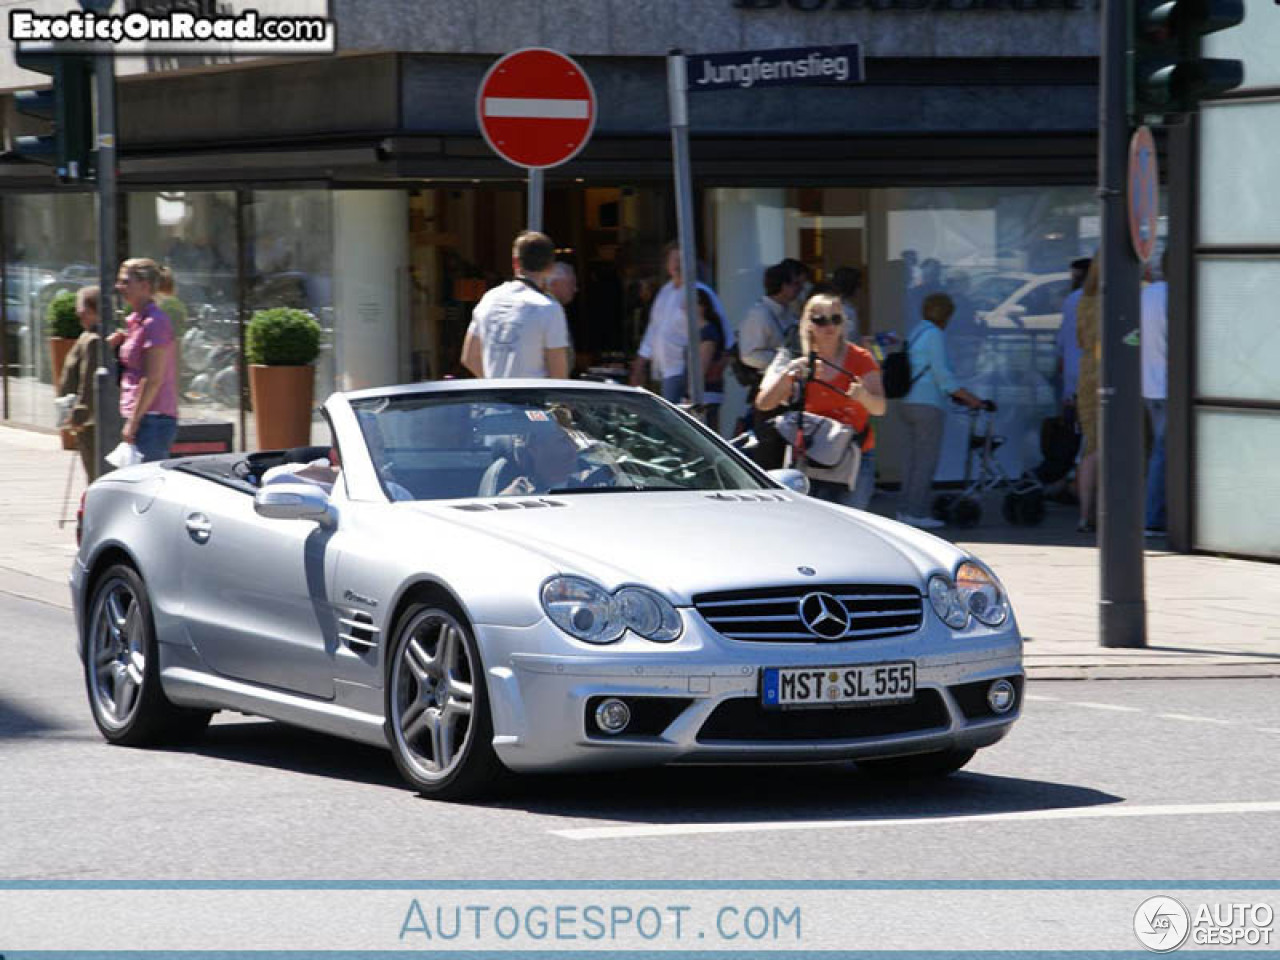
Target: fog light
(612, 716)
(1001, 696)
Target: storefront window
(193, 233)
(1002, 254)
(290, 235)
(50, 245)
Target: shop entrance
(460, 246)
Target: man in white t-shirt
(664, 349)
(516, 329)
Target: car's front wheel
(437, 706)
(122, 667)
(917, 765)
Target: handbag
(832, 450)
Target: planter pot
(59, 347)
(282, 398)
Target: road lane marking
(1075, 813)
(1103, 706)
(1192, 719)
(1041, 697)
(1269, 729)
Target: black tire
(1009, 508)
(1031, 508)
(942, 504)
(966, 512)
(127, 702)
(917, 766)
(417, 678)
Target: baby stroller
(1023, 503)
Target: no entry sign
(536, 108)
(1143, 194)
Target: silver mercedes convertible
(494, 576)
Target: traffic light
(1167, 73)
(67, 106)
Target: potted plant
(64, 329)
(281, 345)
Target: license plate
(838, 686)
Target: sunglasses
(826, 320)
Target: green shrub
(282, 337)
(60, 319)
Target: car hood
(688, 543)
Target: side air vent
(356, 630)
(508, 505)
(748, 497)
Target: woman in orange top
(857, 396)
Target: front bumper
(701, 703)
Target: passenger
(322, 472)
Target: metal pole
(1121, 494)
(107, 414)
(535, 199)
(678, 96)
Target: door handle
(199, 528)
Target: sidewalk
(1206, 616)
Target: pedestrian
(846, 386)
(1154, 339)
(562, 283)
(712, 353)
(148, 363)
(517, 329)
(664, 348)
(799, 273)
(1067, 348)
(78, 378)
(847, 282)
(768, 327)
(925, 406)
(1089, 339)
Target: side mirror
(294, 501)
(792, 480)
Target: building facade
(360, 188)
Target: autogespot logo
(1161, 924)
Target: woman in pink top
(148, 362)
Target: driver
(546, 458)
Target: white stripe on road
(1190, 719)
(1103, 706)
(1074, 813)
(542, 109)
(1269, 729)
(1034, 696)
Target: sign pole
(106, 399)
(1121, 492)
(678, 97)
(535, 199)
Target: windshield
(527, 442)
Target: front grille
(772, 614)
(744, 719)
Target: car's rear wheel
(122, 667)
(918, 765)
(437, 706)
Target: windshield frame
(369, 475)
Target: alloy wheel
(433, 695)
(118, 652)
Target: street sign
(1143, 194)
(536, 108)
(782, 67)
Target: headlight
(648, 614)
(587, 611)
(582, 609)
(981, 594)
(946, 602)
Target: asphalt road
(1137, 781)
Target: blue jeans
(155, 435)
(863, 489)
(1155, 466)
(673, 388)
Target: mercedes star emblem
(824, 616)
